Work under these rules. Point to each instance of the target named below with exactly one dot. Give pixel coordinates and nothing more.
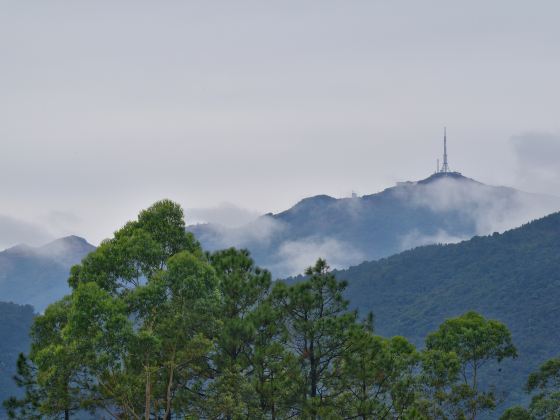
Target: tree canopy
(156, 328)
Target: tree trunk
(167, 415)
(314, 379)
(148, 394)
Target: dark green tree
(276, 378)
(438, 376)
(319, 326)
(135, 335)
(516, 413)
(545, 386)
(28, 406)
(375, 377)
(49, 374)
(475, 341)
(243, 288)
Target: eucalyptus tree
(134, 337)
(475, 341)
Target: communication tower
(445, 167)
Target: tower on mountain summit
(445, 167)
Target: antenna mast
(445, 166)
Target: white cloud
(415, 238)
(260, 231)
(14, 231)
(225, 214)
(489, 209)
(295, 256)
(537, 157)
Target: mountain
(513, 277)
(14, 328)
(38, 275)
(444, 208)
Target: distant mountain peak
(69, 240)
(309, 203)
(445, 207)
(456, 176)
(441, 176)
(67, 250)
(38, 275)
(316, 198)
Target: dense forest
(156, 328)
(512, 277)
(14, 330)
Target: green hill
(14, 339)
(513, 277)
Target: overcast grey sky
(107, 106)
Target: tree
(475, 341)
(516, 413)
(276, 377)
(138, 250)
(243, 288)
(156, 328)
(49, 374)
(28, 406)
(319, 325)
(375, 377)
(254, 375)
(545, 384)
(438, 375)
(134, 336)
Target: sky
(238, 108)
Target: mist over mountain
(512, 277)
(38, 275)
(443, 208)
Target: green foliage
(474, 341)
(512, 277)
(439, 373)
(544, 384)
(156, 328)
(27, 407)
(375, 377)
(516, 413)
(320, 327)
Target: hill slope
(442, 208)
(38, 275)
(14, 328)
(513, 277)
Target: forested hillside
(513, 277)
(14, 339)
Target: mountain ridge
(346, 231)
(38, 275)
